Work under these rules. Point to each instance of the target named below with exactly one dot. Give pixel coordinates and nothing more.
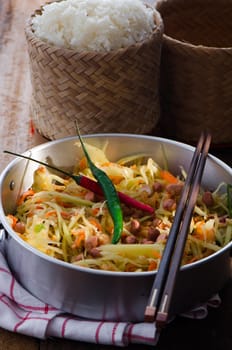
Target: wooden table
(15, 134)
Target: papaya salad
(67, 221)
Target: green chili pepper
(229, 199)
(92, 185)
(104, 186)
(110, 193)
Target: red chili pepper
(92, 185)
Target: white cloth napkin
(23, 313)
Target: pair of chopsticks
(158, 306)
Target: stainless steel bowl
(101, 294)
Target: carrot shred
(50, 213)
(107, 164)
(96, 224)
(134, 166)
(38, 207)
(39, 200)
(25, 195)
(13, 220)
(152, 266)
(79, 240)
(156, 254)
(65, 215)
(167, 176)
(62, 203)
(116, 179)
(83, 163)
(95, 211)
(204, 234)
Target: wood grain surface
(15, 87)
(214, 332)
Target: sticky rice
(94, 25)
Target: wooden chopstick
(157, 309)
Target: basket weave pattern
(117, 91)
(196, 74)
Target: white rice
(94, 25)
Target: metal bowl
(96, 294)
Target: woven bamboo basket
(116, 91)
(196, 69)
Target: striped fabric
(23, 313)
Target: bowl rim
(31, 249)
(169, 40)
